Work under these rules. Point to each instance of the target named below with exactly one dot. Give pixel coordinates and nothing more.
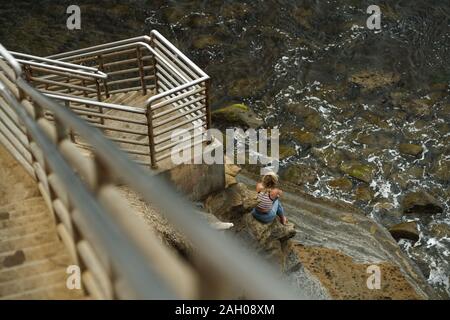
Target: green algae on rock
(358, 170)
(410, 149)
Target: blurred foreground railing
(119, 257)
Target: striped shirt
(264, 202)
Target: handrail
(71, 65)
(59, 65)
(213, 248)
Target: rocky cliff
(327, 248)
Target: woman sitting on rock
(269, 205)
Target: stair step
(27, 229)
(29, 240)
(116, 97)
(33, 282)
(123, 98)
(18, 205)
(25, 255)
(52, 292)
(35, 267)
(131, 97)
(23, 211)
(22, 221)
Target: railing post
(151, 140)
(141, 70)
(207, 107)
(155, 74)
(101, 67)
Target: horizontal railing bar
(177, 108)
(62, 84)
(53, 61)
(149, 86)
(176, 98)
(129, 141)
(59, 73)
(125, 71)
(168, 154)
(98, 104)
(99, 75)
(176, 117)
(109, 117)
(130, 80)
(106, 127)
(178, 125)
(170, 136)
(172, 144)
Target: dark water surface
(341, 94)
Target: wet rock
(299, 109)
(232, 169)
(305, 137)
(386, 215)
(286, 151)
(363, 193)
(235, 10)
(246, 87)
(266, 232)
(236, 115)
(313, 122)
(358, 170)
(421, 202)
(231, 204)
(441, 168)
(202, 20)
(374, 79)
(303, 17)
(229, 180)
(418, 107)
(341, 183)
(405, 230)
(440, 230)
(330, 157)
(299, 174)
(410, 149)
(205, 41)
(379, 139)
(346, 278)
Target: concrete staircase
(33, 260)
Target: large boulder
(231, 203)
(358, 170)
(410, 149)
(421, 202)
(370, 80)
(236, 115)
(405, 230)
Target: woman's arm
(259, 187)
(275, 193)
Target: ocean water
(309, 67)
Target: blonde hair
(270, 180)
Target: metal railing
(118, 256)
(180, 88)
(64, 78)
